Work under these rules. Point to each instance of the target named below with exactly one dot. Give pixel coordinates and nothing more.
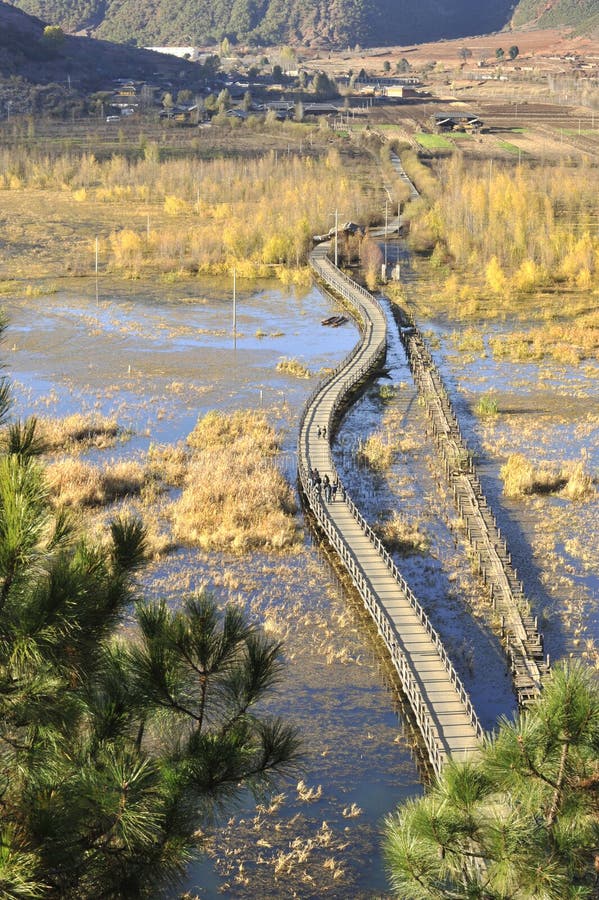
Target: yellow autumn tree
(495, 276)
(528, 277)
(126, 247)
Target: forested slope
(309, 22)
(582, 15)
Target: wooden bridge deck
(524, 643)
(440, 704)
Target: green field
(511, 148)
(433, 141)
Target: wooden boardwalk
(441, 707)
(523, 642)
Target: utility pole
(235, 309)
(97, 295)
(386, 223)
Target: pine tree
(519, 823)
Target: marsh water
(157, 356)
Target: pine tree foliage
(116, 747)
(519, 823)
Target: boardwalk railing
(348, 374)
(524, 644)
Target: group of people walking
(329, 488)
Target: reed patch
(234, 497)
(522, 477)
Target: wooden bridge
(523, 642)
(442, 708)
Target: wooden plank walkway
(442, 708)
(523, 642)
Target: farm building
(457, 122)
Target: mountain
(86, 63)
(323, 23)
(582, 15)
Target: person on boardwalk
(326, 484)
(319, 431)
(334, 488)
(324, 431)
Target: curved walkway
(442, 708)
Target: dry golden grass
(293, 367)
(168, 463)
(377, 452)
(234, 497)
(77, 432)
(219, 431)
(522, 477)
(581, 485)
(75, 483)
(400, 536)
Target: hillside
(582, 15)
(339, 23)
(87, 63)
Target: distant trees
(499, 53)
(521, 821)
(252, 199)
(512, 222)
(386, 66)
(513, 51)
(464, 53)
(402, 66)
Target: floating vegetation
(522, 477)
(293, 367)
(308, 794)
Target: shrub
(486, 406)
(293, 367)
(401, 536)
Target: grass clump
(387, 391)
(401, 536)
(293, 367)
(486, 406)
(234, 498)
(217, 430)
(581, 484)
(376, 452)
(77, 432)
(168, 463)
(469, 340)
(75, 483)
(521, 477)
